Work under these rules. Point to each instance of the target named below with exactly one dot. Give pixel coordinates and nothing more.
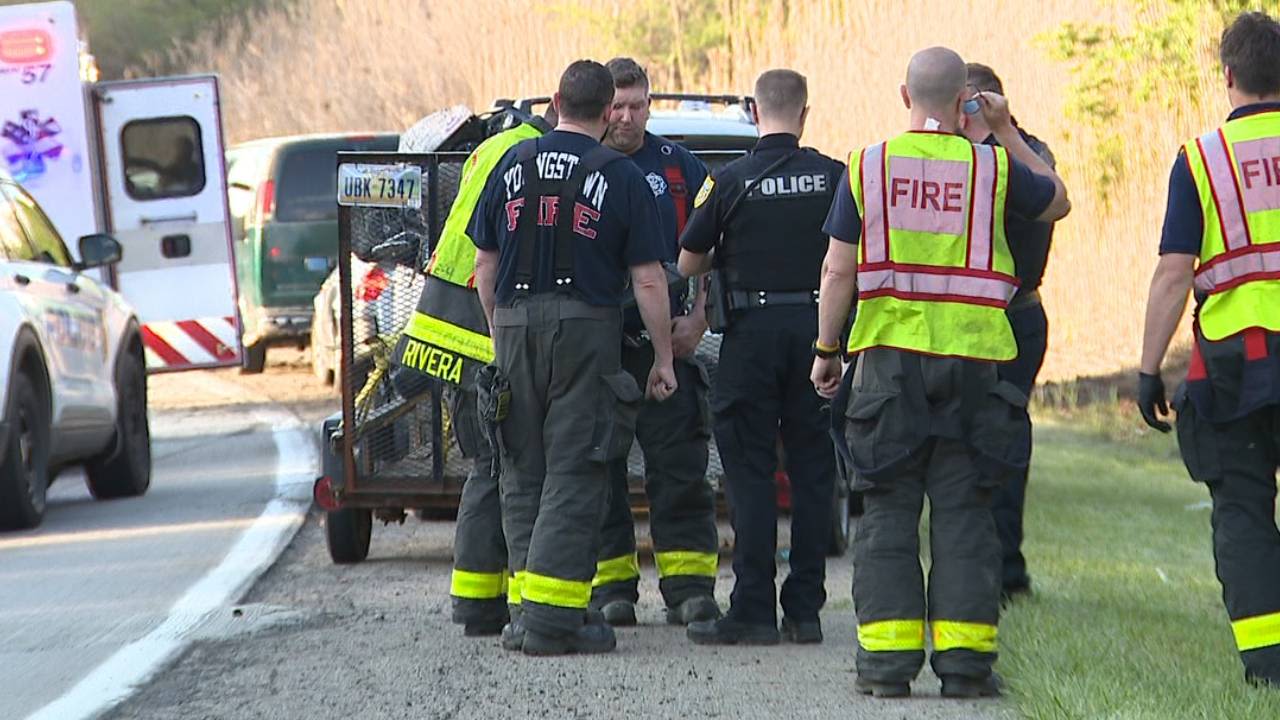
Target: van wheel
(841, 522)
(255, 359)
(347, 532)
(24, 469)
(320, 363)
(125, 469)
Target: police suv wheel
(125, 469)
(24, 468)
(347, 533)
(841, 524)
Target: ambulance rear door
(164, 179)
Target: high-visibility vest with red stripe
(934, 270)
(1237, 174)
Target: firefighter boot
(480, 619)
(728, 631)
(801, 633)
(619, 613)
(696, 609)
(881, 690)
(961, 687)
(587, 640)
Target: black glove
(1151, 399)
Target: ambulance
(140, 160)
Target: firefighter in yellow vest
(918, 231)
(449, 339)
(1222, 237)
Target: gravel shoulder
(314, 640)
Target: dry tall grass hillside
(375, 64)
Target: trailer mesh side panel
(397, 436)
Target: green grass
(1127, 620)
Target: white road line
(132, 665)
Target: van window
(307, 184)
(44, 239)
(163, 158)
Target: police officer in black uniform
(759, 225)
(1029, 241)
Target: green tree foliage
(1156, 66)
(674, 37)
(125, 33)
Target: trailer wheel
(347, 532)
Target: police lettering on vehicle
(557, 166)
(783, 186)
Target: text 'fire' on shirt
(615, 224)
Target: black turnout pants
(571, 412)
(762, 389)
(1031, 331)
(673, 435)
(479, 584)
(1238, 461)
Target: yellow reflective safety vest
(454, 258)
(1237, 174)
(447, 337)
(934, 270)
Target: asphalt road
(103, 593)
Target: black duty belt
(751, 299)
(1024, 301)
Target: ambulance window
(13, 242)
(163, 158)
(45, 240)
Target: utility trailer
(390, 451)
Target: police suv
(73, 385)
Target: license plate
(316, 264)
(391, 186)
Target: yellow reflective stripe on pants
(513, 588)
(891, 635)
(686, 562)
(478, 586)
(548, 590)
(1257, 632)
(435, 331)
(956, 635)
(619, 569)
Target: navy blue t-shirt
(620, 222)
(653, 158)
(1183, 217)
(1029, 194)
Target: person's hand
(995, 110)
(686, 333)
(662, 382)
(826, 376)
(1151, 399)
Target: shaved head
(935, 78)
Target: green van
(281, 192)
